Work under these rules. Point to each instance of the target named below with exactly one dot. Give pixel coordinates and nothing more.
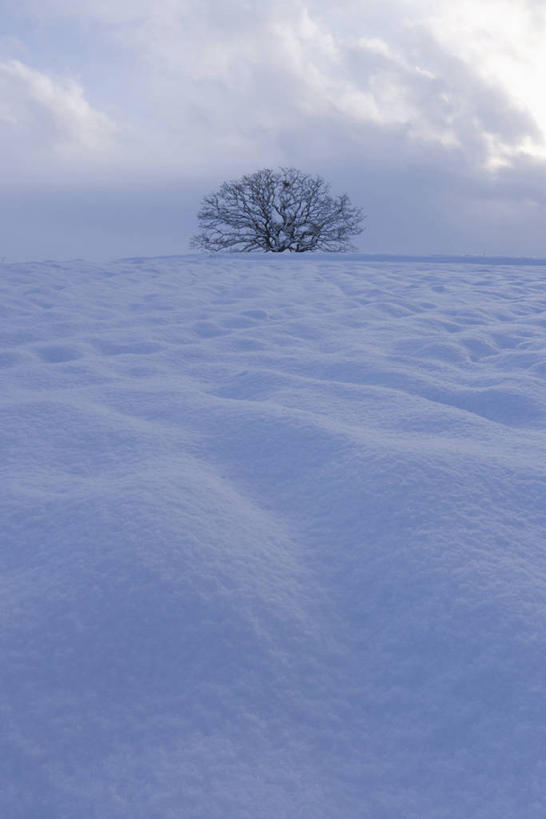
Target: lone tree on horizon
(274, 211)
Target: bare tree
(274, 211)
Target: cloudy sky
(117, 116)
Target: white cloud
(503, 41)
(46, 119)
(234, 77)
(252, 72)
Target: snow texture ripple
(273, 539)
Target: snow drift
(273, 539)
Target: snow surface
(273, 539)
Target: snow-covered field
(273, 539)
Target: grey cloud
(45, 119)
(248, 71)
(365, 93)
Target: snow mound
(273, 539)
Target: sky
(118, 116)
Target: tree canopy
(277, 211)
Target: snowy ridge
(273, 539)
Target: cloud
(107, 11)
(422, 106)
(232, 79)
(47, 119)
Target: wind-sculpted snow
(273, 539)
